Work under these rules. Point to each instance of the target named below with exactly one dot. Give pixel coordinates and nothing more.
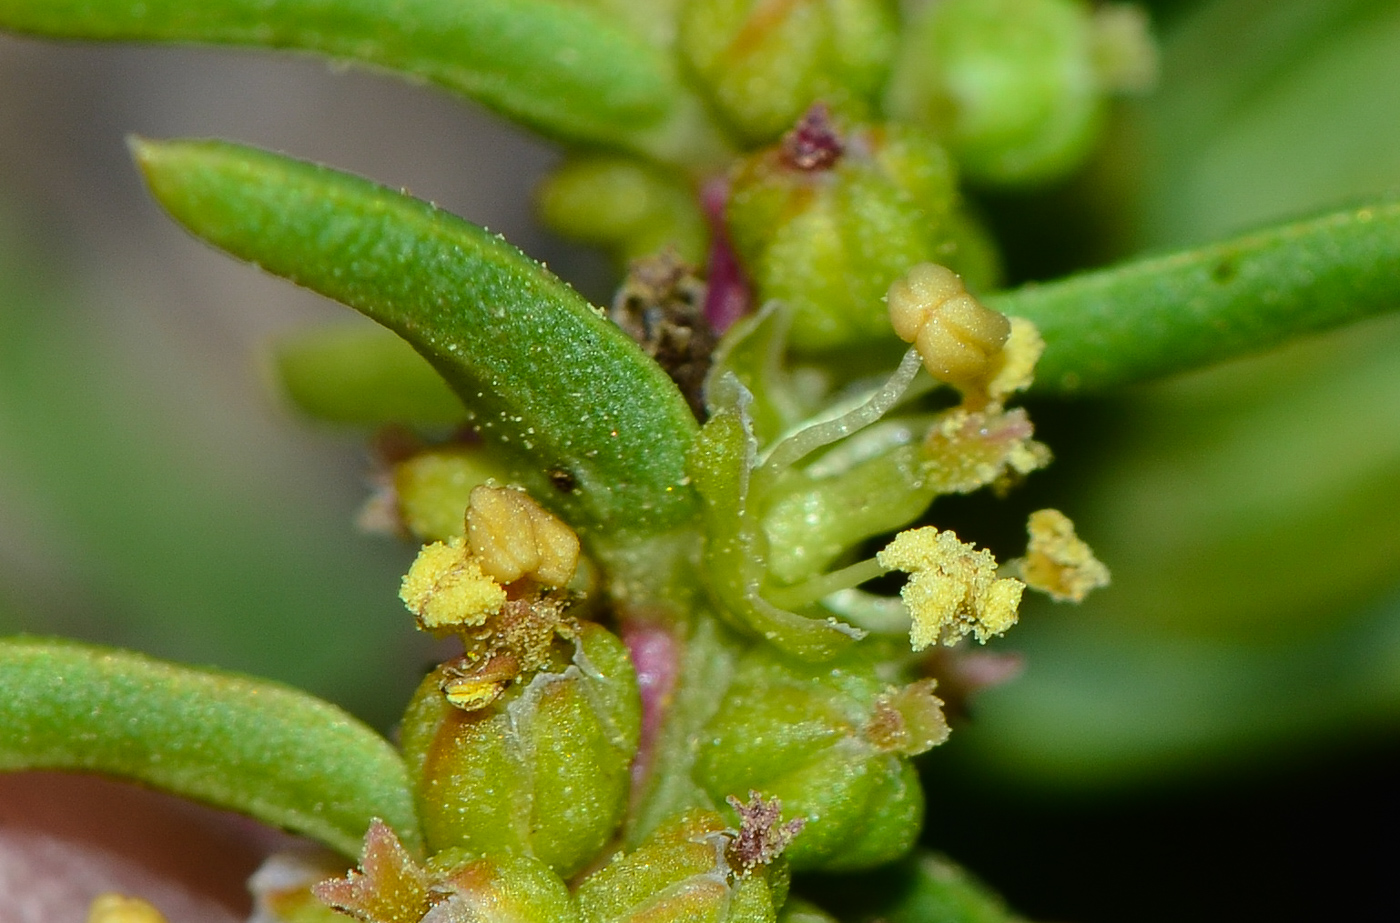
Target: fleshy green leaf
(248, 745)
(364, 377)
(1171, 313)
(559, 67)
(537, 366)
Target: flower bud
(764, 63)
(501, 888)
(1016, 87)
(432, 488)
(633, 208)
(682, 874)
(542, 769)
(831, 742)
(828, 234)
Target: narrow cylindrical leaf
(538, 368)
(1172, 313)
(560, 67)
(248, 745)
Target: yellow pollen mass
(1016, 364)
(1058, 562)
(953, 589)
(447, 589)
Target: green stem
(818, 588)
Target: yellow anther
(953, 589)
(512, 536)
(1016, 364)
(117, 908)
(447, 590)
(959, 339)
(1058, 562)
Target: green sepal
(564, 69)
(679, 874)
(754, 352)
(798, 732)
(1164, 314)
(735, 554)
(363, 377)
(501, 888)
(541, 771)
(247, 745)
(487, 317)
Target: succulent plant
(663, 539)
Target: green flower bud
(542, 769)
(499, 889)
(433, 488)
(633, 208)
(764, 63)
(683, 873)
(831, 743)
(1016, 87)
(826, 221)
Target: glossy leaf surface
(538, 368)
(276, 754)
(558, 67)
(1165, 314)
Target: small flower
(492, 587)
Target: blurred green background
(1215, 735)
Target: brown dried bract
(661, 305)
